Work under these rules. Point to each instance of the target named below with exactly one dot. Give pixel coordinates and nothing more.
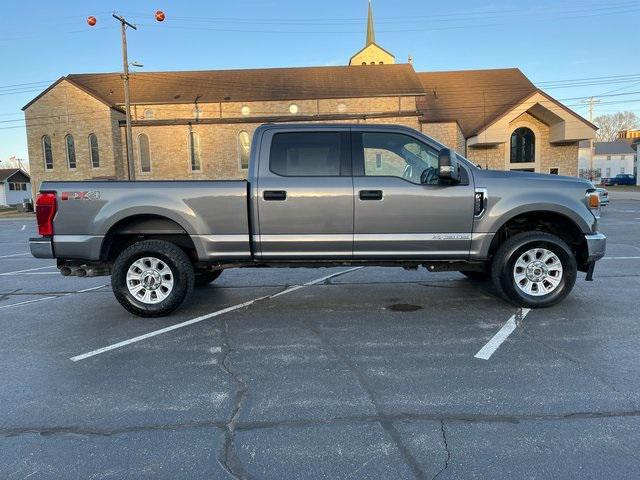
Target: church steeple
(372, 53)
(371, 33)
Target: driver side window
(397, 155)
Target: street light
(160, 16)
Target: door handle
(274, 195)
(370, 194)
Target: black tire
(502, 269)
(174, 258)
(474, 275)
(205, 278)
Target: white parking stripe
(27, 302)
(23, 227)
(26, 270)
(36, 300)
(621, 258)
(201, 318)
(14, 255)
(492, 345)
(37, 273)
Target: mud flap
(590, 269)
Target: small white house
(606, 159)
(15, 186)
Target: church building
(199, 124)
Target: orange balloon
(92, 21)
(160, 16)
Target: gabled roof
(368, 46)
(473, 98)
(7, 173)
(81, 87)
(254, 84)
(619, 147)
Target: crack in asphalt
(230, 461)
(8, 294)
(303, 423)
(385, 423)
(445, 443)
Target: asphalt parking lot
(330, 373)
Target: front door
(305, 195)
(401, 210)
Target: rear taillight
(45, 211)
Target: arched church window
(523, 146)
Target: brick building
(199, 124)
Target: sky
(571, 49)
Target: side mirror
(448, 166)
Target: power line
(453, 16)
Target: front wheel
(534, 269)
(152, 278)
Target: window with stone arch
(194, 151)
(144, 153)
(523, 146)
(47, 153)
(71, 151)
(244, 149)
(94, 152)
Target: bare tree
(610, 125)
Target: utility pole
(592, 101)
(127, 100)
(91, 21)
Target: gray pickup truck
(326, 195)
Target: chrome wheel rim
(537, 272)
(150, 280)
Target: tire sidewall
(569, 271)
(173, 256)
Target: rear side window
(310, 154)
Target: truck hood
(531, 179)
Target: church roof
(266, 84)
(473, 98)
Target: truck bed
(213, 213)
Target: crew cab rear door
(305, 194)
(396, 216)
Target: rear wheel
(534, 269)
(152, 278)
(204, 278)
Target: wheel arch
(554, 222)
(137, 227)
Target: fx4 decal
(94, 195)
